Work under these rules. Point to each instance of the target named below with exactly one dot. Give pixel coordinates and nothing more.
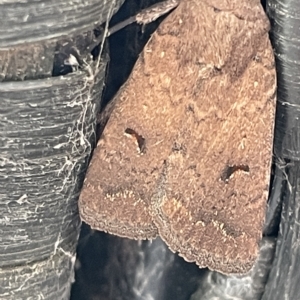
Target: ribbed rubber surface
(47, 132)
(285, 22)
(47, 128)
(36, 20)
(283, 281)
(50, 279)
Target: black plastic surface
(39, 20)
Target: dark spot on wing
(229, 170)
(141, 142)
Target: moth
(186, 152)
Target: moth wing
(211, 199)
(130, 154)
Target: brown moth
(187, 150)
